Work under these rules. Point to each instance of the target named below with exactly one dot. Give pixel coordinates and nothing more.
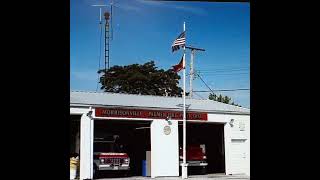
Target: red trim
(148, 114)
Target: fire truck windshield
(107, 147)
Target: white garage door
(238, 156)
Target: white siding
(78, 110)
(238, 131)
(86, 147)
(165, 147)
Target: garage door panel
(238, 156)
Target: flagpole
(184, 165)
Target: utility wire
(225, 74)
(224, 66)
(223, 70)
(239, 89)
(198, 95)
(226, 90)
(204, 82)
(226, 71)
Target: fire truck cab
(109, 155)
(196, 157)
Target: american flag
(180, 41)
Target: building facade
(154, 124)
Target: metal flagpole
(184, 165)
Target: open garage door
(74, 145)
(74, 135)
(122, 145)
(206, 137)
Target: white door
(238, 156)
(164, 148)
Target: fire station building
(150, 129)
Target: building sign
(148, 114)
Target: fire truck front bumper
(106, 167)
(195, 163)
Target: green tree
(213, 96)
(143, 79)
(223, 99)
(226, 100)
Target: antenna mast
(106, 45)
(100, 23)
(111, 19)
(108, 17)
(99, 5)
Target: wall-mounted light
(168, 119)
(89, 114)
(231, 122)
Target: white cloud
(197, 11)
(146, 2)
(190, 9)
(128, 7)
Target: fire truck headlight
(102, 160)
(127, 161)
(204, 157)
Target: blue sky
(145, 30)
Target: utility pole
(193, 50)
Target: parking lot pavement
(193, 177)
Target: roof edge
(94, 92)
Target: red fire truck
(196, 157)
(109, 156)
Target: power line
(204, 83)
(230, 77)
(243, 89)
(239, 89)
(225, 74)
(225, 69)
(222, 71)
(217, 67)
(198, 95)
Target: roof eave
(74, 105)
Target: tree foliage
(223, 99)
(145, 79)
